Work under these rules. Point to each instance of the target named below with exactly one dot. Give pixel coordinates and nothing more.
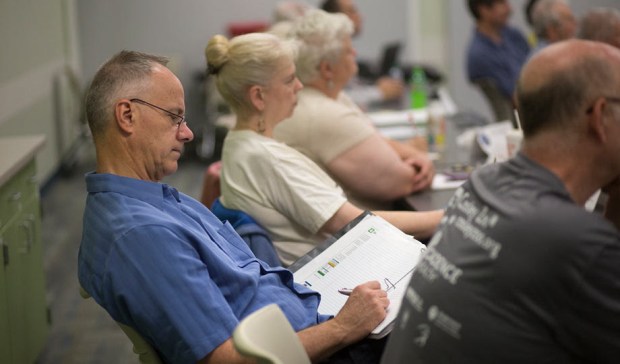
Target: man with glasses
(158, 261)
(519, 271)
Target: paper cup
(513, 142)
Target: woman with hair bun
(297, 202)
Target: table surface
(451, 155)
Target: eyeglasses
(610, 99)
(177, 120)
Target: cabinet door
(34, 300)
(23, 306)
(16, 286)
(5, 344)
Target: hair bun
(217, 54)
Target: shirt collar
(153, 193)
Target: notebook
(368, 249)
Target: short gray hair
(566, 93)
(543, 16)
(124, 75)
(320, 36)
(602, 25)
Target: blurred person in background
(329, 128)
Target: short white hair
(320, 36)
(544, 15)
(289, 10)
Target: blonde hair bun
(217, 53)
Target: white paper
(444, 182)
(402, 117)
(372, 250)
(492, 141)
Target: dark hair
(529, 8)
(565, 94)
(331, 6)
(475, 4)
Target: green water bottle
(418, 93)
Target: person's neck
(491, 31)
(121, 164)
(575, 165)
(254, 123)
(118, 156)
(330, 90)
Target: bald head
(559, 82)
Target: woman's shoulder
(257, 149)
(318, 105)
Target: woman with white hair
(288, 194)
(329, 128)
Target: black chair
(501, 105)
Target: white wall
(41, 39)
(181, 29)
(383, 22)
(581, 6)
(177, 29)
(39, 54)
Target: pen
(345, 291)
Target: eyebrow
(291, 76)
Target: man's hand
(364, 310)
(390, 88)
(425, 171)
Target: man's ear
(257, 97)
(596, 120)
(125, 115)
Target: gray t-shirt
(517, 273)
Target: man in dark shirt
(495, 55)
(519, 271)
(497, 51)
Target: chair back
(211, 184)
(251, 232)
(500, 104)
(144, 350)
(267, 336)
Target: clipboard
(368, 248)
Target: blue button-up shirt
(159, 261)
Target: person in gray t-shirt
(519, 271)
